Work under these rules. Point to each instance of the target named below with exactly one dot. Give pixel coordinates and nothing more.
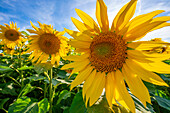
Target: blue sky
(59, 12)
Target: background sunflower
(10, 35)
(47, 42)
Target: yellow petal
(140, 20)
(36, 28)
(88, 82)
(123, 97)
(146, 45)
(76, 57)
(83, 75)
(78, 35)
(79, 44)
(152, 56)
(162, 18)
(60, 33)
(101, 15)
(88, 20)
(94, 92)
(53, 59)
(155, 67)
(80, 26)
(110, 86)
(136, 85)
(145, 74)
(38, 54)
(161, 26)
(80, 66)
(8, 26)
(124, 15)
(141, 30)
(32, 31)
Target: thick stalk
(51, 90)
(20, 65)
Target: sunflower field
(98, 69)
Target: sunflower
(47, 42)
(10, 35)
(159, 49)
(112, 57)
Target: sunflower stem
(20, 65)
(45, 85)
(50, 90)
(5, 110)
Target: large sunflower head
(10, 35)
(111, 57)
(47, 42)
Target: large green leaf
(27, 89)
(7, 88)
(101, 107)
(5, 69)
(2, 102)
(165, 103)
(25, 105)
(78, 105)
(43, 106)
(63, 95)
(21, 105)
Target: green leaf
(78, 105)
(164, 77)
(36, 78)
(2, 102)
(42, 67)
(63, 95)
(28, 88)
(25, 68)
(62, 74)
(7, 88)
(25, 105)
(21, 105)
(101, 107)
(43, 106)
(165, 103)
(5, 69)
(54, 81)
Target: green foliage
(26, 105)
(7, 88)
(63, 95)
(78, 105)
(2, 102)
(28, 88)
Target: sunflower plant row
(100, 69)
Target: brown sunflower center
(107, 52)
(49, 43)
(12, 35)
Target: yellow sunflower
(159, 49)
(111, 57)
(10, 35)
(47, 42)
